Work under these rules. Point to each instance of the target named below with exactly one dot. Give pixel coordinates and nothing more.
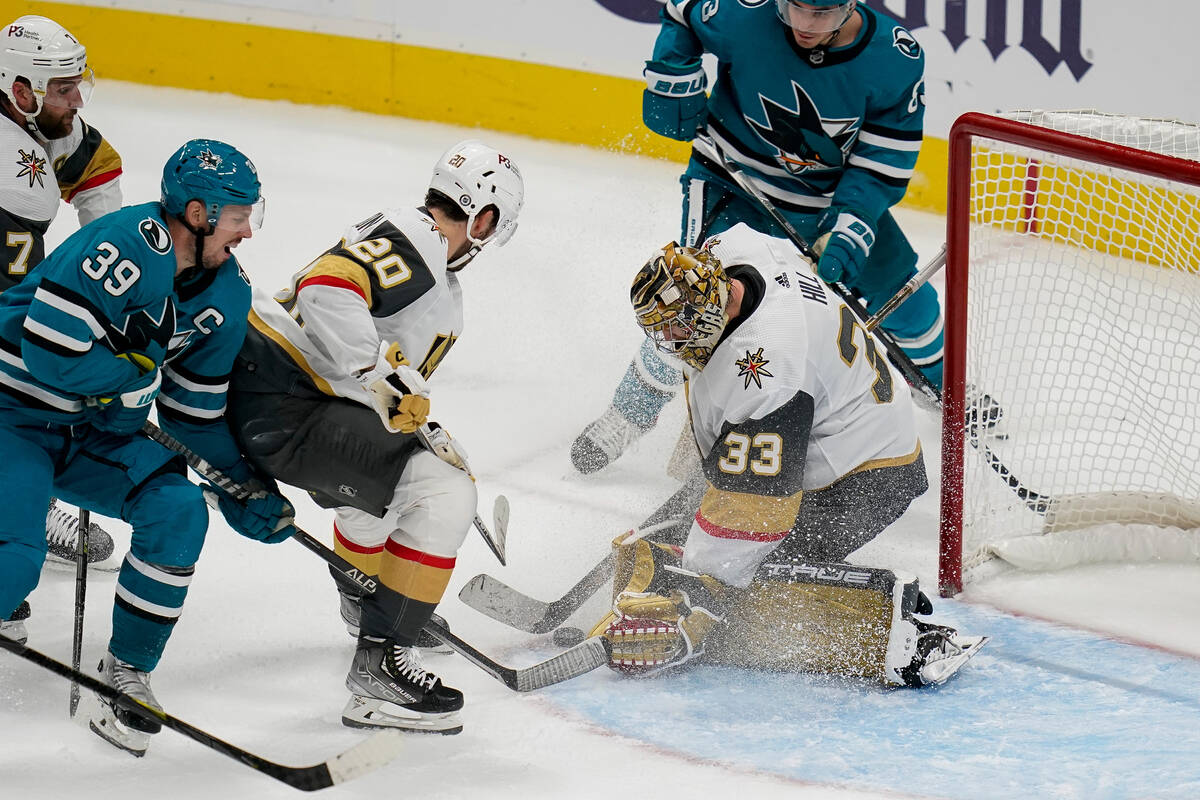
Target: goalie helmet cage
(1072, 302)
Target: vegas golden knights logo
(437, 351)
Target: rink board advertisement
(569, 70)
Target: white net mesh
(1083, 325)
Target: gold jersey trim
(289, 348)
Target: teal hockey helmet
(815, 16)
(216, 174)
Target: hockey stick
(496, 599)
(571, 663)
(364, 757)
(495, 542)
(583, 657)
(503, 603)
(81, 557)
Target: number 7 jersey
(796, 396)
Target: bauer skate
(390, 688)
(351, 611)
(117, 725)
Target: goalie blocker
(838, 619)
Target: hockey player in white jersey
(51, 155)
(820, 105)
(809, 450)
(330, 393)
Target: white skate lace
(62, 527)
(408, 663)
(612, 433)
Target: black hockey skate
(119, 726)
(391, 689)
(351, 612)
(941, 652)
(14, 626)
(62, 530)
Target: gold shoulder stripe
(104, 162)
(281, 340)
(329, 269)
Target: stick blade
(583, 657)
(366, 756)
(500, 530)
(501, 602)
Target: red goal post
(1072, 305)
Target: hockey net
(1072, 343)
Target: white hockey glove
(446, 448)
(398, 392)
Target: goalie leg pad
(823, 618)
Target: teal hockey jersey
(811, 128)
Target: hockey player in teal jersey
(146, 303)
(820, 103)
(45, 82)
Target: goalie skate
(117, 725)
(390, 688)
(941, 652)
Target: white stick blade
(366, 756)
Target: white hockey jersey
(386, 281)
(35, 174)
(795, 396)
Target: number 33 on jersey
(795, 397)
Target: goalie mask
(476, 177)
(45, 54)
(679, 298)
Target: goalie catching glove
(653, 631)
(398, 393)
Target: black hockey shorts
(834, 522)
(335, 449)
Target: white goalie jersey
(386, 281)
(795, 397)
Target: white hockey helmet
(39, 50)
(477, 177)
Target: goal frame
(964, 131)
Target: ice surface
(259, 656)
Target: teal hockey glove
(266, 515)
(126, 411)
(674, 103)
(843, 247)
